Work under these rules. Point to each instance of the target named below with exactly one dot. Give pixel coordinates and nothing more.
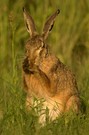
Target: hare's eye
(42, 45)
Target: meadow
(69, 40)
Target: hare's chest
(34, 86)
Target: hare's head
(36, 46)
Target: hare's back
(59, 73)
(66, 79)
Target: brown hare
(45, 76)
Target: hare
(45, 76)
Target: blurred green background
(69, 40)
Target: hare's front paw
(34, 68)
(26, 66)
(29, 68)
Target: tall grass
(69, 40)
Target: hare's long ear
(49, 24)
(29, 23)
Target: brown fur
(45, 76)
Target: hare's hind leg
(73, 104)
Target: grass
(69, 40)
